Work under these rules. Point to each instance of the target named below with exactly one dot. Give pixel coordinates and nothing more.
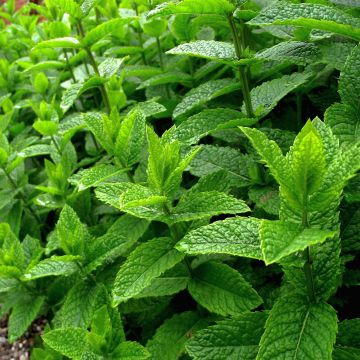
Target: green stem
(69, 66)
(56, 145)
(239, 47)
(162, 66)
(138, 31)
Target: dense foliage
(163, 193)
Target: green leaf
(119, 238)
(22, 315)
(199, 205)
(145, 263)
(75, 90)
(130, 140)
(54, 266)
(65, 43)
(190, 131)
(211, 50)
(281, 238)
(110, 193)
(195, 7)
(265, 97)
(204, 93)
(234, 236)
(102, 30)
(45, 65)
(71, 232)
(353, 3)
(292, 331)
(348, 333)
(169, 340)
(11, 251)
(169, 77)
(222, 290)
(47, 128)
(41, 83)
(230, 339)
(110, 66)
(297, 52)
(214, 158)
(70, 342)
(130, 350)
(313, 16)
(94, 176)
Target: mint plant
(180, 180)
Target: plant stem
(69, 66)
(103, 91)
(239, 47)
(138, 31)
(56, 145)
(162, 66)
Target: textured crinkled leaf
(266, 198)
(234, 236)
(151, 108)
(119, 238)
(222, 290)
(54, 266)
(75, 90)
(34, 150)
(70, 342)
(100, 31)
(195, 7)
(204, 123)
(335, 53)
(110, 194)
(350, 232)
(170, 338)
(210, 49)
(110, 66)
(297, 52)
(199, 205)
(314, 16)
(169, 77)
(130, 350)
(213, 158)
(94, 176)
(280, 238)
(71, 232)
(348, 333)
(345, 353)
(22, 315)
(65, 42)
(265, 97)
(353, 3)
(230, 339)
(145, 263)
(298, 330)
(204, 93)
(130, 140)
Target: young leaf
(65, 43)
(22, 315)
(169, 340)
(71, 342)
(204, 93)
(110, 67)
(167, 78)
(293, 327)
(222, 290)
(130, 350)
(144, 264)
(234, 236)
(280, 238)
(230, 339)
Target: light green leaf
(22, 315)
(169, 340)
(314, 16)
(195, 7)
(110, 194)
(353, 3)
(71, 232)
(297, 52)
(199, 205)
(130, 350)
(70, 342)
(110, 66)
(65, 42)
(100, 31)
(169, 77)
(34, 150)
(280, 238)
(234, 236)
(292, 331)
(54, 266)
(265, 97)
(204, 123)
(121, 235)
(204, 93)
(230, 339)
(130, 140)
(222, 290)
(75, 90)
(46, 65)
(94, 176)
(145, 263)
(212, 50)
